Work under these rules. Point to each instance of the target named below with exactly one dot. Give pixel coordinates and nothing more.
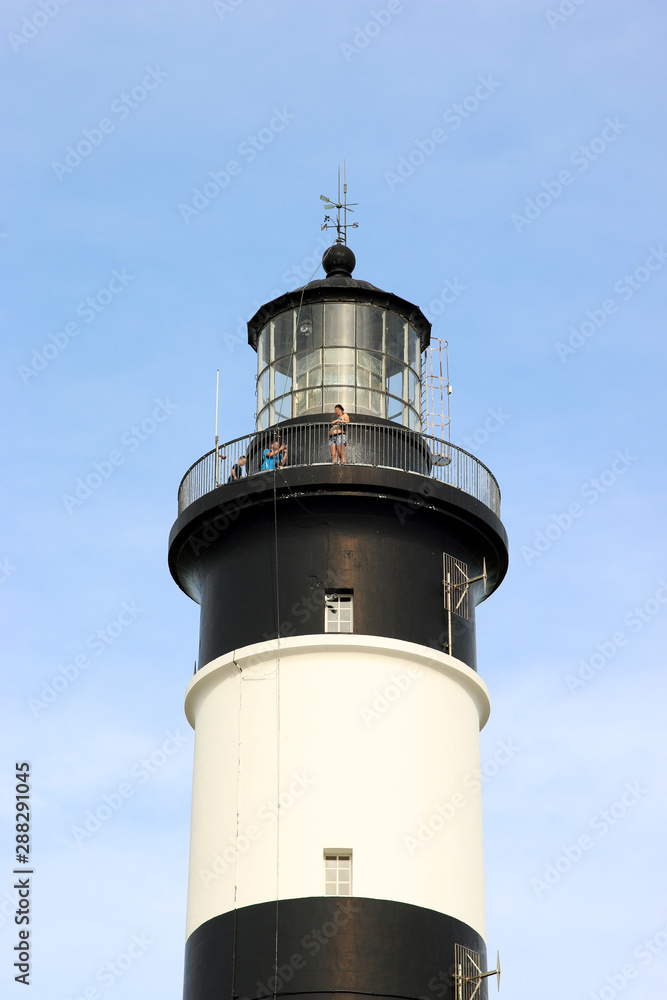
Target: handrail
(376, 445)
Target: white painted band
(336, 742)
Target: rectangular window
(283, 335)
(338, 611)
(338, 873)
(340, 394)
(339, 324)
(338, 366)
(309, 327)
(282, 380)
(369, 327)
(394, 408)
(283, 408)
(308, 366)
(396, 330)
(263, 383)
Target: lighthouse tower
(336, 844)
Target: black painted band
(346, 529)
(324, 945)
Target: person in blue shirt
(274, 457)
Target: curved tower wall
(336, 742)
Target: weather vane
(340, 227)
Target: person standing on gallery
(337, 435)
(237, 470)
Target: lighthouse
(338, 553)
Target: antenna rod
(217, 390)
(340, 227)
(339, 238)
(344, 202)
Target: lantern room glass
(365, 358)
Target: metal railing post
(376, 445)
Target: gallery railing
(378, 445)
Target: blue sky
(531, 140)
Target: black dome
(338, 259)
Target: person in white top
(337, 435)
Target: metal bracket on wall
(468, 975)
(456, 583)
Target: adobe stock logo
(566, 8)
(447, 809)
(31, 26)
(7, 569)
(130, 440)
(122, 107)
(228, 855)
(581, 158)
(249, 149)
(454, 117)
(591, 491)
(605, 651)
(363, 36)
(644, 954)
(98, 642)
(626, 287)
(88, 310)
(222, 7)
(493, 422)
(602, 822)
(383, 700)
(113, 801)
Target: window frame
(348, 595)
(337, 855)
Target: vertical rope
(295, 330)
(275, 537)
(238, 791)
(238, 823)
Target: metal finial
(340, 227)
